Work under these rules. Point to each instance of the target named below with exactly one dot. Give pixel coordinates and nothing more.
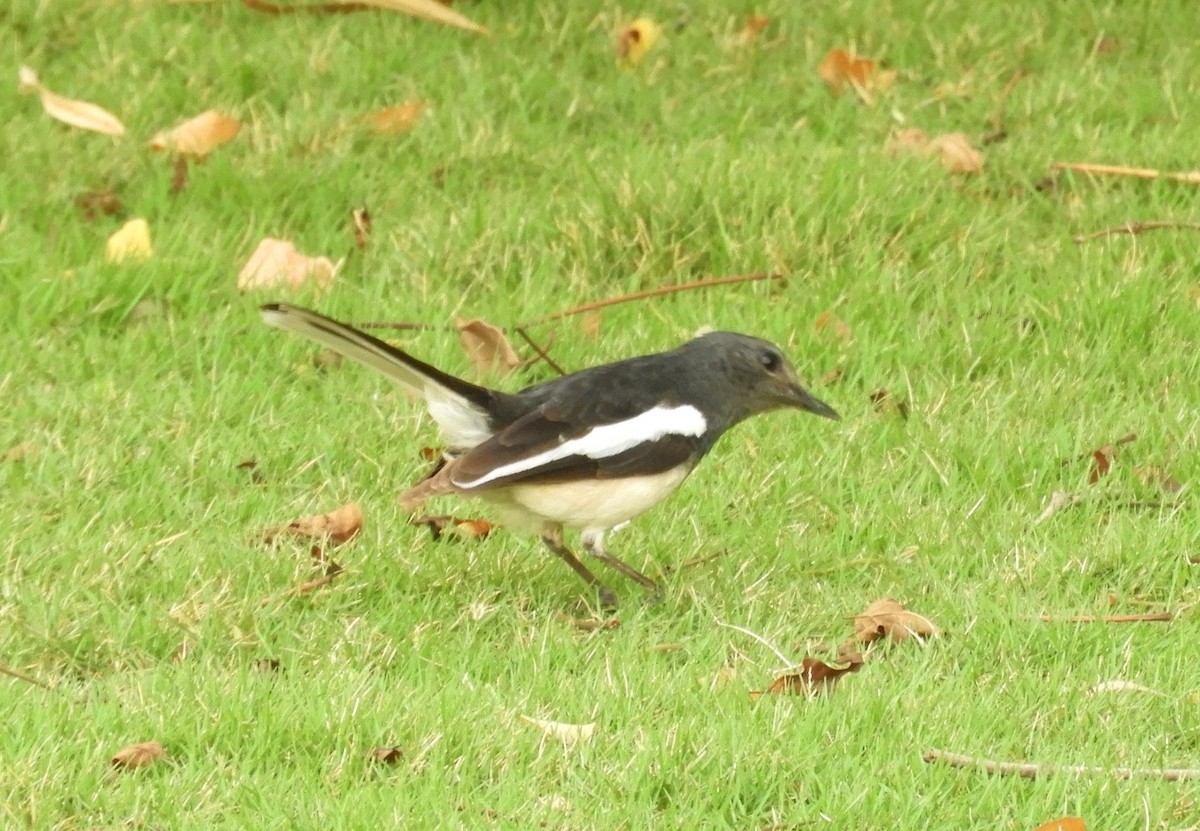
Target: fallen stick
(1191, 177)
(1032, 770)
(20, 676)
(1134, 228)
(1149, 617)
(642, 295)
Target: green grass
(543, 177)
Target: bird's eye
(770, 360)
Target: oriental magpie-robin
(590, 450)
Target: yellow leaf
(81, 114)
(568, 734)
(197, 136)
(427, 9)
(276, 263)
(636, 39)
(130, 242)
(396, 120)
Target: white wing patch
(608, 440)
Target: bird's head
(760, 378)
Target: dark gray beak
(805, 400)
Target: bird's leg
(594, 544)
(552, 537)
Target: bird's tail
(450, 399)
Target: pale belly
(594, 505)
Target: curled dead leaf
(338, 526)
(82, 114)
(885, 618)
(568, 734)
(956, 153)
(839, 68)
(138, 755)
(276, 263)
(198, 136)
(486, 346)
(636, 40)
(814, 677)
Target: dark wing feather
(549, 426)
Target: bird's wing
(555, 442)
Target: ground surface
(541, 177)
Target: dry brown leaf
(1062, 824)
(129, 242)
(276, 263)
(839, 68)
(470, 529)
(393, 121)
(138, 755)
(427, 9)
(198, 136)
(754, 26)
(1157, 475)
(636, 40)
(386, 755)
(828, 320)
(568, 734)
(486, 346)
(953, 149)
(885, 618)
(81, 114)
(338, 526)
(815, 677)
(956, 153)
(884, 402)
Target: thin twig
(1133, 228)
(1031, 770)
(20, 676)
(312, 8)
(403, 326)
(540, 351)
(1191, 177)
(332, 570)
(1149, 617)
(641, 295)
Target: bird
(589, 450)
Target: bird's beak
(804, 400)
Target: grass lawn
(135, 585)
